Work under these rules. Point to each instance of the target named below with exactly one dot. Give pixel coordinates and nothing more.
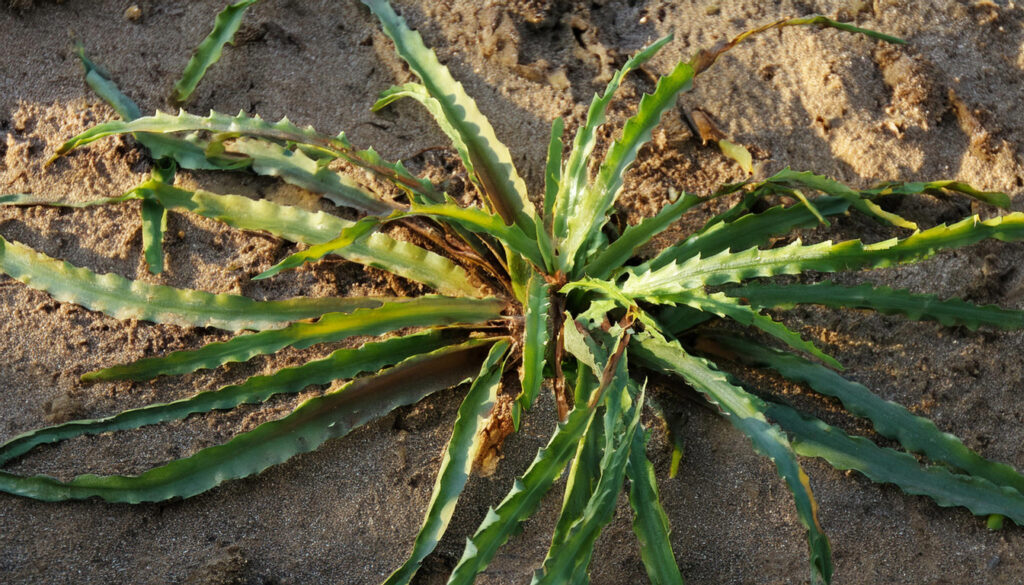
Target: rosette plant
(530, 292)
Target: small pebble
(133, 13)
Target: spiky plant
(546, 292)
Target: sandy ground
(948, 105)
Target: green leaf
(479, 221)
(814, 438)
(584, 472)
(242, 125)
(621, 250)
(521, 502)
(457, 462)
(746, 231)
(332, 415)
(490, 159)
(343, 363)
(826, 185)
(574, 178)
(419, 93)
(891, 420)
(725, 306)
(747, 413)
(650, 523)
(705, 58)
(567, 558)
(587, 465)
(797, 193)
(99, 81)
(27, 199)
(187, 152)
(209, 50)
(885, 300)
(590, 214)
(348, 236)
(535, 341)
(154, 223)
(795, 258)
(553, 169)
(295, 167)
(828, 22)
(386, 316)
(297, 225)
(134, 299)
(895, 188)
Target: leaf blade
(133, 299)
(535, 340)
(307, 427)
(814, 438)
(490, 159)
(457, 462)
(747, 413)
(376, 250)
(386, 316)
(342, 363)
(209, 50)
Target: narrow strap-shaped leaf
(418, 92)
(567, 559)
(388, 316)
(295, 167)
(677, 319)
(622, 249)
(591, 212)
(348, 236)
(885, 300)
(747, 413)
(832, 187)
(810, 206)
(650, 523)
(893, 188)
(553, 170)
(154, 217)
(746, 232)
(209, 50)
(343, 363)
(154, 223)
(189, 153)
(99, 81)
(490, 159)
(307, 138)
(27, 199)
(586, 468)
(584, 472)
(891, 420)
(814, 438)
(134, 299)
(795, 258)
(526, 494)
(574, 179)
(306, 428)
(394, 172)
(598, 198)
(295, 224)
(726, 306)
(479, 221)
(457, 462)
(535, 343)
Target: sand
(947, 105)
